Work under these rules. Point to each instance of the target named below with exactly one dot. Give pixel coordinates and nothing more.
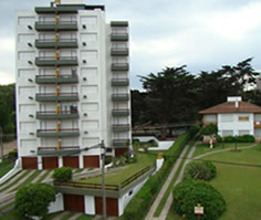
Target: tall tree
(171, 95)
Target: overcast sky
(202, 34)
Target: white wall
(57, 205)
(231, 122)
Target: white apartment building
(72, 85)
(234, 118)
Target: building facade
(234, 118)
(72, 86)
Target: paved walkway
(165, 186)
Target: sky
(201, 34)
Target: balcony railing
(120, 143)
(115, 51)
(54, 151)
(120, 97)
(119, 23)
(120, 112)
(69, 132)
(55, 10)
(52, 97)
(52, 26)
(119, 36)
(120, 82)
(61, 61)
(120, 67)
(52, 79)
(60, 115)
(121, 127)
(61, 43)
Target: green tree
(62, 174)
(34, 199)
(171, 95)
(138, 108)
(189, 193)
(211, 131)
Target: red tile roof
(229, 107)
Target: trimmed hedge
(189, 193)
(140, 204)
(62, 174)
(200, 170)
(240, 139)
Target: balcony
(120, 67)
(56, 10)
(120, 112)
(119, 23)
(52, 97)
(52, 79)
(53, 151)
(60, 115)
(51, 61)
(120, 97)
(65, 43)
(120, 143)
(121, 127)
(53, 26)
(119, 36)
(119, 51)
(120, 82)
(71, 132)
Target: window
(226, 118)
(243, 118)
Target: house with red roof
(234, 117)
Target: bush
(200, 170)
(34, 199)
(12, 155)
(240, 139)
(62, 174)
(139, 205)
(188, 193)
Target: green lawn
(240, 185)
(5, 166)
(117, 176)
(204, 148)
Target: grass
(43, 176)
(7, 205)
(240, 185)
(119, 175)
(5, 167)
(11, 184)
(204, 148)
(29, 179)
(86, 217)
(171, 185)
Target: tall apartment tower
(72, 86)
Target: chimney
(235, 99)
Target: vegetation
(62, 174)
(5, 166)
(7, 111)
(189, 193)
(33, 200)
(240, 185)
(200, 170)
(240, 139)
(139, 205)
(181, 94)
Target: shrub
(139, 205)
(200, 170)
(34, 199)
(12, 155)
(240, 139)
(62, 174)
(229, 139)
(188, 193)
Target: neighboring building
(234, 117)
(72, 85)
